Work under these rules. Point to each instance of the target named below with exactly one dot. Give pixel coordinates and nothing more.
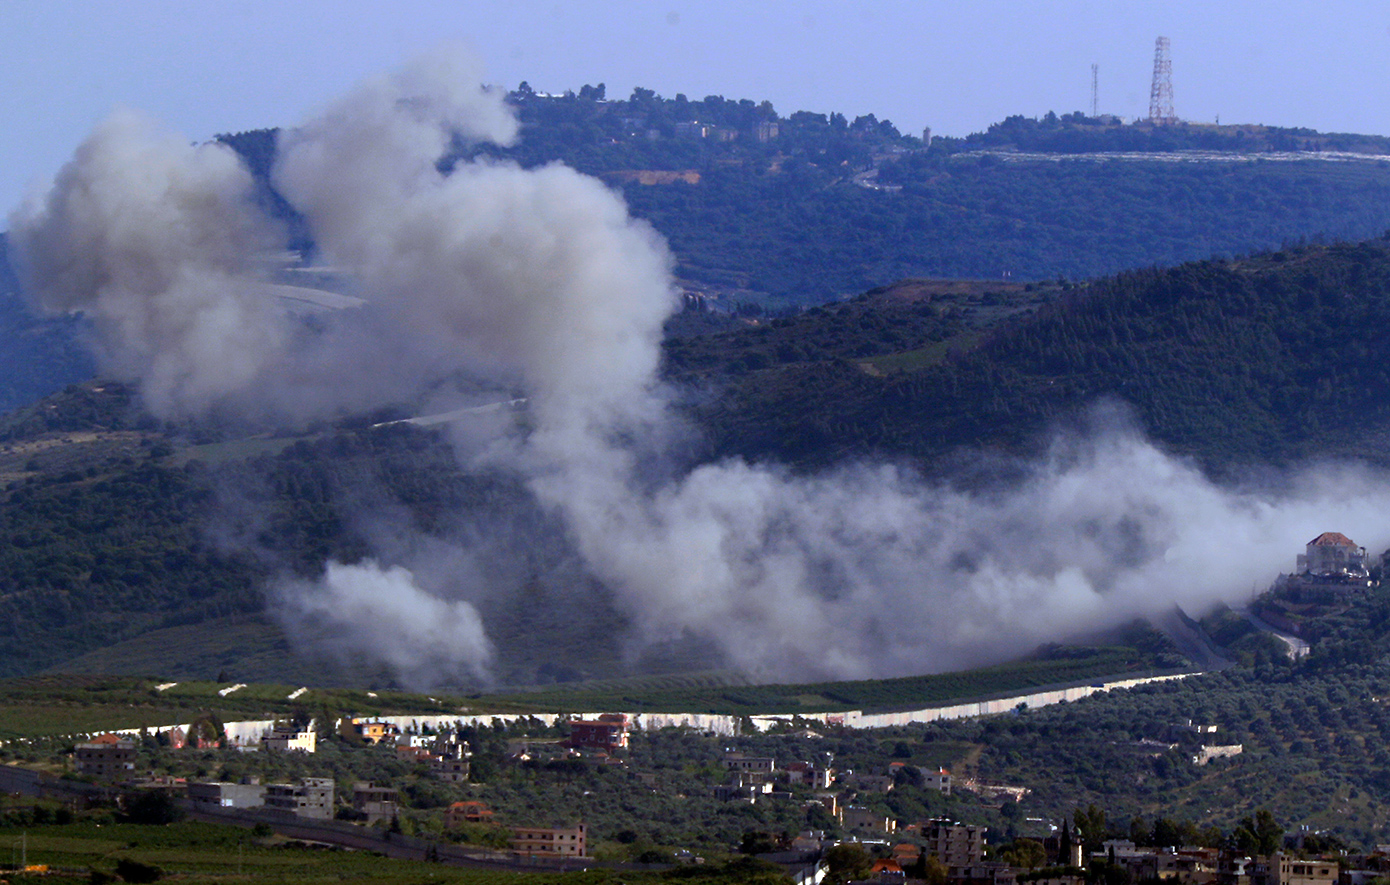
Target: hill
(116, 531)
(1266, 359)
(784, 211)
(38, 356)
(806, 208)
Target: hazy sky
(209, 67)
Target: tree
(847, 862)
(152, 807)
(1024, 853)
(1260, 834)
(137, 873)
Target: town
(812, 802)
(853, 795)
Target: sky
(206, 67)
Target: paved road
(1297, 648)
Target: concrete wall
(249, 732)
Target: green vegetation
(38, 356)
(207, 853)
(783, 221)
(1077, 133)
(71, 704)
(1271, 359)
(1054, 667)
(107, 520)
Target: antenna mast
(1161, 95)
(1095, 103)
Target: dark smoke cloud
(538, 281)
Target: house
(1286, 870)
(550, 841)
(954, 844)
(455, 771)
(750, 769)
(939, 780)
(290, 739)
(375, 803)
(374, 732)
(887, 870)
(765, 131)
(466, 812)
(312, 797)
(1332, 560)
(220, 794)
(106, 757)
(856, 817)
(607, 732)
(809, 775)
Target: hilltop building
(1331, 561)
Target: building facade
(312, 797)
(550, 841)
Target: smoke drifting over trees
(538, 282)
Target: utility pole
(1095, 93)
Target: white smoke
(158, 243)
(538, 280)
(364, 611)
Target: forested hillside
(1264, 359)
(37, 356)
(107, 528)
(782, 210)
(805, 208)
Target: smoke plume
(366, 610)
(537, 282)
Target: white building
(286, 739)
(1333, 555)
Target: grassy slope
(91, 698)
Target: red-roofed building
(1333, 558)
(467, 812)
(888, 870)
(607, 732)
(108, 756)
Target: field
(70, 705)
(709, 693)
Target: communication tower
(1095, 95)
(1161, 95)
